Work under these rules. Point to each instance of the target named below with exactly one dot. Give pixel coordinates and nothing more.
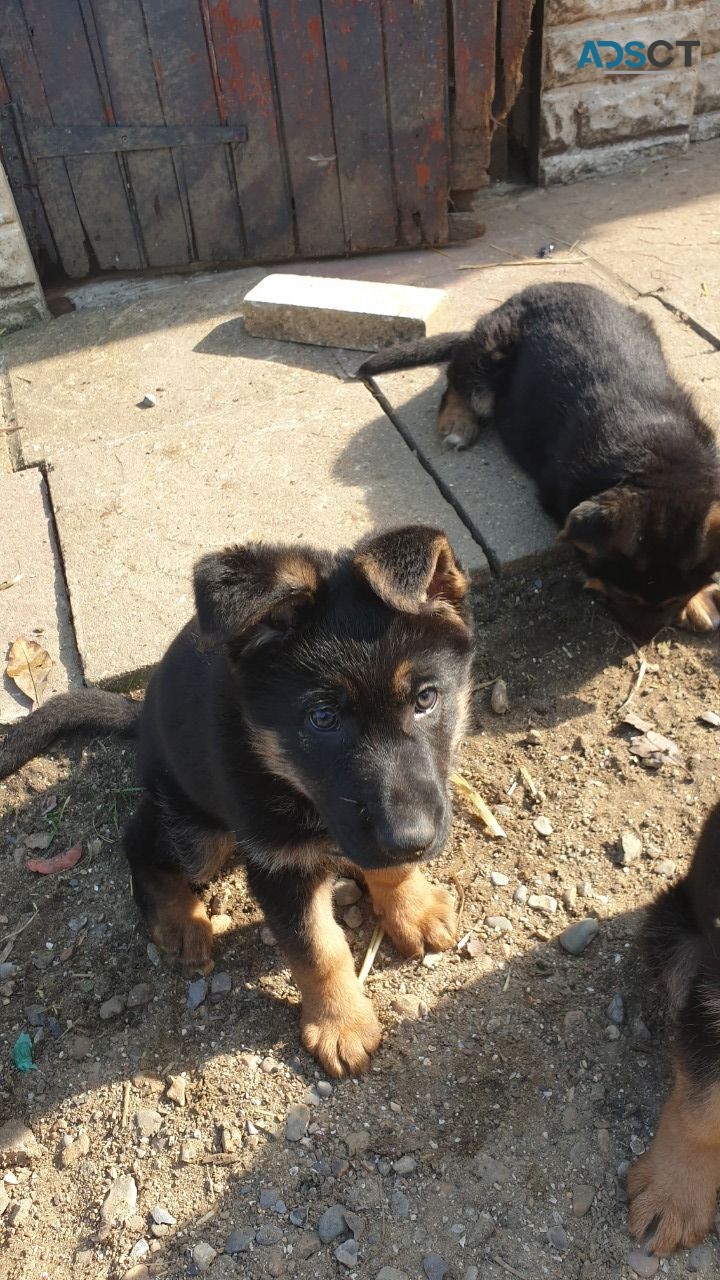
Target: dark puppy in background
(306, 718)
(578, 389)
(673, 1186)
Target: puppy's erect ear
(612, 521)
(254, 593)
(412, 567)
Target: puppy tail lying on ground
(412, 355)
(673, 1186)
(95, 709)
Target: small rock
(220, 984)
(19, 1212)
(297, 1121)
(533, 738)
(324, 1088)
(268, 1197)
(112, 1007)
(499, 698)
(404, 1166)
(570, 897)
(583, 1197)
(267, 937)
(434, 1267)
(239, 1241)
(177, 1090)
(4, 1199)
(499, 879)
(161, 1216)
(147, 1122)
(643, 1264)
(299, 1216)
(640, 1033)
(542, 902)
(78, 1047)
(269, 1066)
(357, 1141)
(543, 826)
(148, 402)
(139, 1250)
(391, 1273)
(558, 1239)
(631, 847)
(197, 993)
(575, 939)
(348, 1253)
(399, 1205)
(74, 1151)
(268, 1235)
(138, 1272)
(120, 1202)
(664, 867)
(221, 923)
(18, 1144)
(8, 970)
(713, 719)
(203, 1255)
(616, 1010)
(500, 924)
(521, 894)
(307, 1245)
(702, 1257)
(491, 1170)
(139, 995)
(153, 954)
(353, 917)
(471, 1273)
(347, 892)
(332, 1223)
(432, 959)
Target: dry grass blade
(478, 805)
(378, 934)
(528, 782)
(635, 685)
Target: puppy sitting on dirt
(673, 1186)
(579, 391)
(306, 718)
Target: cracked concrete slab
(325, 468)
(36, 604)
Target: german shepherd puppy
(673, 1186)
(307, 718)
(581, 396)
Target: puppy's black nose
(407, 839)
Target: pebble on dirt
(177, 1090)
(147, 1122)
(631, 847)
(120, 1202)
(434, 1267)
(583, 1196)
(138, 995)
(542, 902)
(500, 924)
(346, 892)
(348, 1253)
(543, 826)
(616, 1010)
(578, 936)
(499, 698)
(332, 1223)
(196, 993)
(203, 1255)
(112, 1008)
(391, 1273)
(643, 1264)
(18, 1144)
(405, 1165)
(75, 1151)
(298, 1119)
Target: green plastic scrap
(22, 1053)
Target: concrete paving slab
(332, 312)
(36, 604)
(325, 468)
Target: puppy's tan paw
(457, 424)
(182, 930)
(417, 916)
(342, 1033)
(702, 612)
(672, 1197)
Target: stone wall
(594, 122)
(21, 297)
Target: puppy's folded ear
(412, 567)
(711, 535)
(254, 594)
(612, 521)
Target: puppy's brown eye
(324, 719)
(425, 701)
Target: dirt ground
(495, 1126)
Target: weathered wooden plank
(109, 139)
(354, 47)
(73, 95)
(24, 85)
(299, 53)
(474, 34)
(187, 92)
(247, 92)
(133, 89)
(416, 70)
(515, 18)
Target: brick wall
(593, 122)
(21, 297)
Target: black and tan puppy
(673, 1187)
(578, 389)
(306, 718)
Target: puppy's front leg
(417, 915)
(338, 1023)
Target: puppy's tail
(85, 709)
(410, 355)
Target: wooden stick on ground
(635, 685)
(378, 934)
(478, 805)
